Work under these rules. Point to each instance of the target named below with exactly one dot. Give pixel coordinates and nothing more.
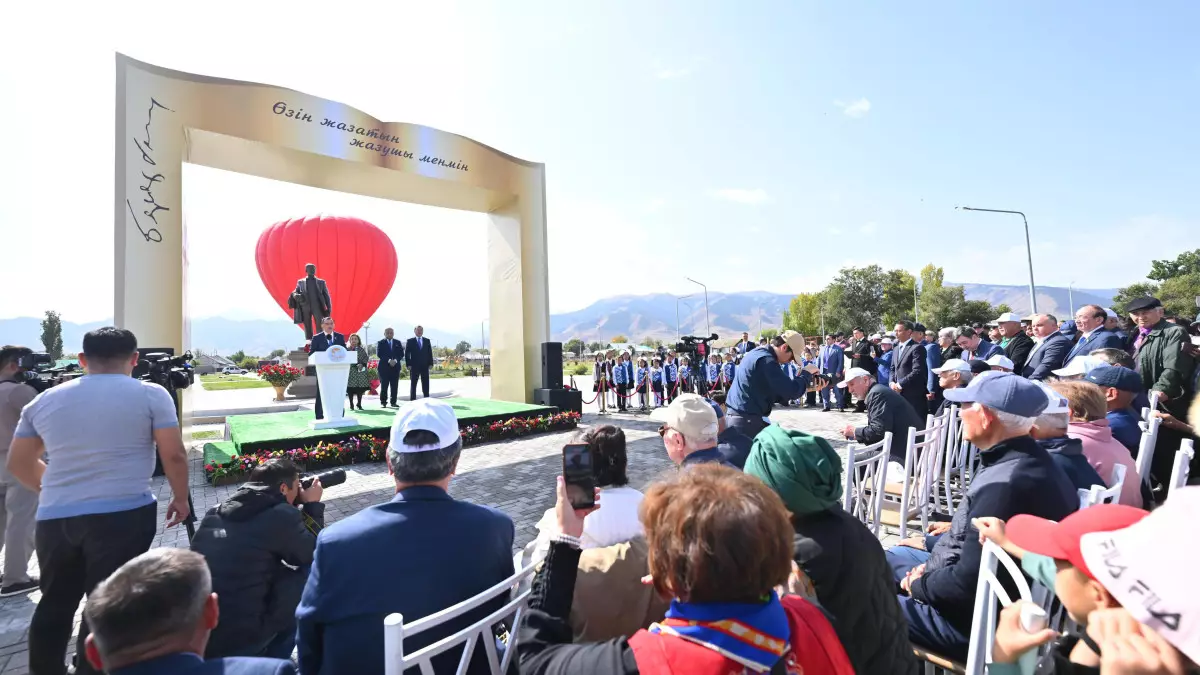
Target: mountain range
(634, 316)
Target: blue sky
(749, 145)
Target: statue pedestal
(306, 386)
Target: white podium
(333, 372)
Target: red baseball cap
(1060, 540)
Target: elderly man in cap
(1001, 363)
(1017, 344)
(953, 374)
(1090, 320)
(1016, 476)
(417, 554)
(1166, 366)
(1112, 322)
(759, 381)
(689, 431)
(887, 411)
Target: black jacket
(245, 540)
(856, 587)
(910, 370)
(861, 357)
(734, 446)
(1017, 350)
(1016, 476)
(888, 411)
(1067, 453)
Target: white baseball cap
(1080, 365)
(952, 365)
(1058, 403)
(1144, 567)
(886, 341)
(1000, 361)
(852, 374)
(427, 414)
(1008, 316)
(690, 414)
(1111, 314)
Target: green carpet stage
(287, 430)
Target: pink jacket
(1104, 452)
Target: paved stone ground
(514, 476)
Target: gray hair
(429, 466)
(699, 442)
(965, 332)
(1053, 422)
(157, 595)
(965, 377)
(947, 333)
(1011, 423)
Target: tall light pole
(1028, 250)
(366, 334)
(707, 323)
(677, 333)
(1071, 298)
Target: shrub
(580, 369)
(280, 375)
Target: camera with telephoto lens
(328, 478)
(161, 367)
(41, 374)
(697, 350)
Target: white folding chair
(1146, 448)
(479, 632)
(1098, 494)
(1183, 465)
(989, 595)
(921, 467)
(1148, 412)
(863, 479)
(959, 457)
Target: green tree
(859, 297)
(803, 314)
(1178, 287)
(1184, 264)
(575, 346)
(249, 362)
(462, 347)
(769, 333)
(485, 351)
(899, 295)
(52, 334)
(647, 341)
(276, 353)
(595, 346)
(619, 339)
(237, 356)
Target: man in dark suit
(1018, 344)
(310, 301)
(418, 356)
(153, 616)
(909, 376)
(744, 345)
(1051, 349)
(1093, 335)
(886, 411)
(321, 342)
(861, 357)
(417, 554)
(390, 353)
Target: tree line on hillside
(875, 299)
(1175, 282)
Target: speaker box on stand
(566, 400)
(552, 365)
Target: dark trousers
(389, 380)
(318, 412)
(926, 627)
(622, 392)
(749, 425)
(414, 375)
(75, 554)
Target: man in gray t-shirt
(99, 434)
(17, 502)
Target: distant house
(207, 364)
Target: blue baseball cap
(1118, 377)
(1006, 392)
(716, 408)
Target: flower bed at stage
(372, 447)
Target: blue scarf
(754, 635)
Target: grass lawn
(223, 382)
(207, 434)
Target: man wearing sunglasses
(759, 381)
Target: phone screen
(577, 474)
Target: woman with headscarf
(841, 557)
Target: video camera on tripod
(697, 350)
(41, 374)
(163, 368)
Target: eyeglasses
(662, 431)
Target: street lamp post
(1071, 297)
(1028, 250)
(366, 334)
(707, 323)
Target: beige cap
(690, 414)
(794, 340)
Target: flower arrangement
(373, 369)
(279, 375)
(369, 448)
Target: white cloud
(856, 109)
(869, 228)
(742, 196)
(663, 73)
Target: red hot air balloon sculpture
(354, 257)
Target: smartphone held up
(577, 475)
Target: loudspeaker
(552, 373)
(566, 400)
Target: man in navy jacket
(1051, 350)
(390, 353)
(909, 375)
(321, 342)
(416, 555)
(418, 356)
(1093, 335)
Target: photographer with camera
(259, 547)
(18, 504)
(96, 509)
(759, 381)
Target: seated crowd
(741, 560)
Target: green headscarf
(801, 468)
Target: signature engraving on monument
(146, 147)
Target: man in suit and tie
(745, 345)
(390, 352)
(321, 342)
(310, 301)
(1050, 350)
(1090, 320)
(832, 362)
(418, 356)
(909, 376)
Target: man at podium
(320, 342)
